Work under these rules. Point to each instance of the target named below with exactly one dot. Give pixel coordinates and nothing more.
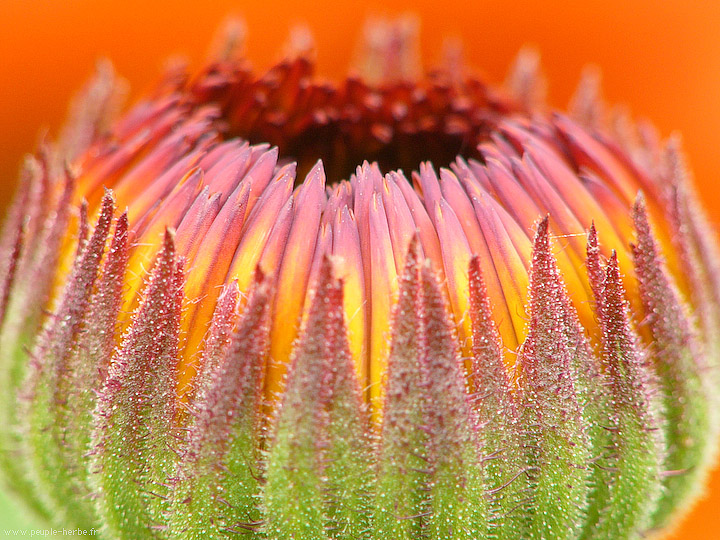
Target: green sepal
(628, 471)
(496, 408)
(216, 486)
(682, 370)
(698, 251)
(45, 220)
(319, 478)
(431, 483)
(553, 433)
(89, 361)
(133, 437)
(48, 417)
(591, 387)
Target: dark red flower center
(398, 124)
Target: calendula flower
(397, 306)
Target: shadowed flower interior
(393, 306)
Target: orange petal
(294, 271)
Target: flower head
(285, 334)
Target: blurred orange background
(662, 59)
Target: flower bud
(395, 307)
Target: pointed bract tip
(122, 220)
(612, 268)
(259, 277)
(542, 231)
(525, 79)
(390, 51)
(594, 269)
(474, 268)
(639, 205)
(327, 272)
(169, 239)
(586, 105)
(108, 193)
(108, 202)
(643, 232)
(300, 43)
(229, 41)
(593, 246)
(413, 250)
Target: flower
(285, 335)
